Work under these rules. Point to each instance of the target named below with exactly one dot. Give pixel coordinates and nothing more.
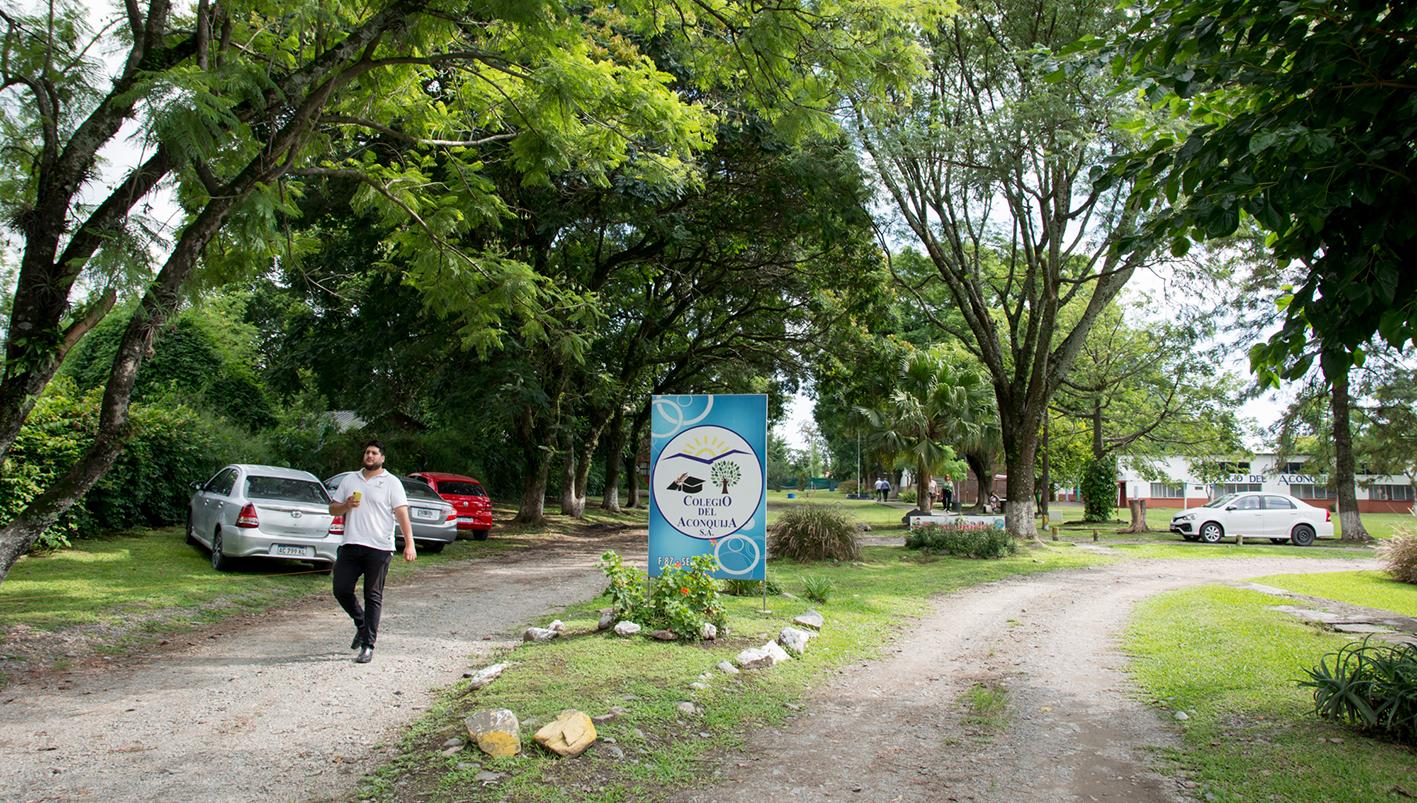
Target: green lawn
(593, 672)
(1369, 589)
(1250, 549)
(879, 516)
(1231, 664)
(1069, 516)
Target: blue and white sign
(708, 483)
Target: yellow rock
(568, 735)
(496, 732)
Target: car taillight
(337, 526)
(452, 514)
(1328, 515)
(247, 517)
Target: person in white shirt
(371, 500)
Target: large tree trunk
(614, 456)
(571, 504)
(635, 434)
(983, 470)
(536, 467)
(1019, 428)
(1344, 473)
(1138, 510)
(923, 500)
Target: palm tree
(934, 410)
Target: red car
(466, 495)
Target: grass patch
(864, 511)
(664, 749)
(1231, 664)
(986, 708)
(1369, 589)
(1183, 549)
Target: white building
(1177, 482)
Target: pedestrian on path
(372, 499)
(883, 487)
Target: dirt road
(892, 730)
(275, 709)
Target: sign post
(708, 484)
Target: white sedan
(1277, 517)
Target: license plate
(465, 518)
(427, 515)
(293, 551)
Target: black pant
(354, 560)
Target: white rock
(1182, 716)
(794, 640)
(607, 619)
(727, 668)
(810, 619)
(539, 634)
(708, 632)
(626, 629)
(485, 675)
(698, 685)
(753, 658)
(776, 653)
(558, 626)
(688, 709)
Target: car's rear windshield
(286, 489)
(420, 490)
(460, 488)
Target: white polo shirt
(372, 523)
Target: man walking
(883, 487)
(372, 500)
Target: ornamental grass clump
(682, 599)
(982, 541)
(1399, 556)
(814, 532)
(749, 588)
(1372, 686)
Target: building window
(1221, 489)
(1310, 492)
(1391, 493)
(1291, 468)
(1166, 490)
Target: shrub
(846, 487)
(962, 540)
(1399, 556)
(1099, 489)
(814, 532)
(1370, 686)
(749, 588)
(681, 599)
(907, 495)
(817, 589)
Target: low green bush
(749, 588)
(814, 532)
(1399, 556)
(962, 540)
(1372, 686)
(846, 487)
(816, 588)
(907, 496)
(681, 599)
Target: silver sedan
(249, 511)
(435, 523)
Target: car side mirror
(1231, 507)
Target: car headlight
(1185, 517)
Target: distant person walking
(371, 500)
(883, 487)
(947, 492)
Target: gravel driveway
(273, 707)
(891, 730)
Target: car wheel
(479, 535)
(191, 536)
(432, 548)
(1303, 535)
(1277, 540)
(1211, 532)
(220, 562)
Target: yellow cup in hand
(355, 496)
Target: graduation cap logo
(687, 484)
